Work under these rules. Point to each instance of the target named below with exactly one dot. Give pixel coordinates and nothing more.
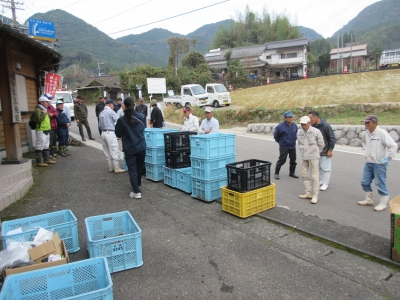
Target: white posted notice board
(156, 86)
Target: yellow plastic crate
(250, 203)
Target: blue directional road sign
(42, 30)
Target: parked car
(218, 94)
(68, 101)
(191, 95)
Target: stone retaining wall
(345, 134)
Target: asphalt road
(338, 203)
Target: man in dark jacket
(99, 108)
(81, 114)
(118, 106)
(325, 163)
(285, 135)
(156, 118)
(62, 130)
(141, 107)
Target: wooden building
(23, 63)
(94, 87)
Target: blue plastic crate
(170, 176)
(212, 145)
(208, 190)
(210, 168)
(183, 180)
(155, 156)
(64, 222)
(85, 279)
(116, 237)
(155, 136)
(155, 172)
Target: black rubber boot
(81, 133)
(292, 168)
(46, 157)
(277, 169)
(39, 159)
(90, 135)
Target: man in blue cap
(285, 135)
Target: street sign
(42, 30)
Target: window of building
(268, 57)
(278, 74)
(291, 55)
(283, 56)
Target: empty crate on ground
(117, 237)
(64, 222)
(211, 168)
(248, 175)
(208, 190)
(85, 279)
(250, 203)
(183, 180)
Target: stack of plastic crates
(249, 190)
(155, 152)
(177, 157)
(210, 153)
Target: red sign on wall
(52, 83)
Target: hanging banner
(52, 83)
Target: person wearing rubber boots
(379, 149)
(285, 135)
(107, 120)
(81, 115)
(311, 143)
(43, 129)
(62, 130)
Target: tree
(251, 28)
(324, 62)
(193, 59)
(320, 46)
(178, 46)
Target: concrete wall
(345, 134)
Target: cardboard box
(394, 205)
(54, 246)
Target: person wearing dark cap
(81, 115)
(107, 120)
(141, 107)
(285, 135)
(118, 106)
(99, 108)
(379, 149)
(62, 131)
(190, 123)
(156, 118)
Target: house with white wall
(276, 60)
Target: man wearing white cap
(209, 124)
(311, 143)
(43, 129)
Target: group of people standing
(316, 142)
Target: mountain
(82, 43)
(309, 33)
(207, 32)
(377, 25)
(6, 20)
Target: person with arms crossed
(190, 123)
(209, 124)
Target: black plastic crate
(248, 175)
(177, 160)
(178, 141)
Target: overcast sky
(324, 16)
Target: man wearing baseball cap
(43, 129)
(285, 135)
(53, 114)
(190, 122)
(311, 143)
(209, 124)
(379, 149)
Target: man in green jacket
(81, 114)
(43, 129)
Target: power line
(152, 22)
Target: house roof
(288, 43)
(349, 49)
(26, 40)
(111, 81)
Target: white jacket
(191, 123)
(311, 143)
(378, 145)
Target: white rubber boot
(117, 169)
(307, 187)
(369, 199)
(382, 204)
(325, 181)
(110, 166)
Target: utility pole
(98, 66)
(12, 5)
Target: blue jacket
(132, 136)
(62, 119)
(285, 135)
